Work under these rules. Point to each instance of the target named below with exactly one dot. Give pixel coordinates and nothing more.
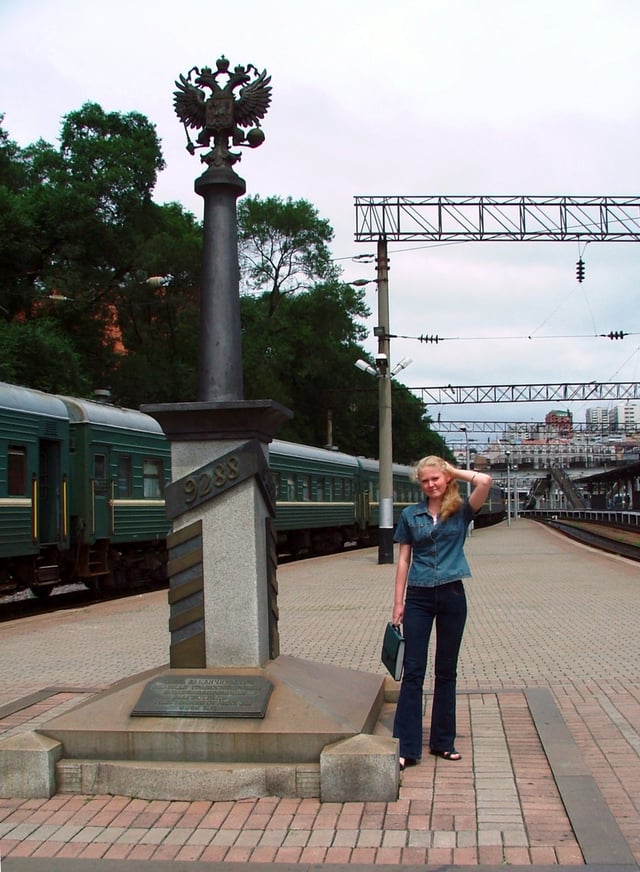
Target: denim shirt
(437, 548)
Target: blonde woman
(429, 591)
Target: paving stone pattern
(543, 613)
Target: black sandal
(404, 762)
(453, 755)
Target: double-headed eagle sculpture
(221, 115)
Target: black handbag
(393, 650)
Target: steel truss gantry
(441, 218)
(514, 426)
(503, 427)
(543, 393)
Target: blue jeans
(446, 604)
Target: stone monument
(221, 493)
(230, 716)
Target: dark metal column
(219, 118)
(220, 352)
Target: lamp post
(384, 373)
(385, 516)
(508, 456)
(463, 429)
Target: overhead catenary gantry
(515, 427)
(438, 218)
(564, 392)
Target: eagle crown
(221, 115)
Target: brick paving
(546, 617)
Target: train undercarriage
(101, 566)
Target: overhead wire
(435, 339)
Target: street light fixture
(404, 363)
(158, 281)
(366, 367)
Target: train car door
(100, 521)
(49, 493)
(364, 509)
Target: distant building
(601, 418)
(628, 416)
(562, 420)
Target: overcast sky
(477, 97)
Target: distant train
(325, 499)
(494, 509)
(82, 495)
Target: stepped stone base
(303, 747)
(187, 781)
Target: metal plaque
(204, 696)
(219, 476)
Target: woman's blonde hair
(451, 500)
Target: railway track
(24, 604)
(615, 540)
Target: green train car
(326, 499)
(82, 495)
(34, 485)
(81, 492)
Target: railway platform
(548, 723)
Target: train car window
(338, 489)
(152, 479)
(320, 489)
(306, 488)
(275, 478)
(348, 489)
(125, 477)
(291, 487)
(100, 474)
(328, 490)
(17, 471)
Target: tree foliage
(302, 335)
(81, 225)
(81, 237)
(39, 355)
(283, 247)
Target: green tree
(18, 258)
(39, 355)
(283, 247)
(80, 224)
(158, 310)
(302, 332)
(293, 355)
(92, 196)
(413, 438)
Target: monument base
(324, 732)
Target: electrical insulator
(580, 270)
(616, 334)
(435, 339)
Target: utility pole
(385, 520)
